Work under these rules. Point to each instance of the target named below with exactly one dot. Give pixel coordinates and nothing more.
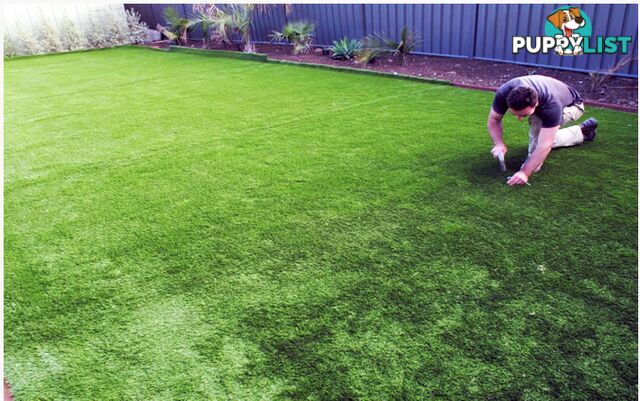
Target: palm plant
(205, 25)
(345, 49)
(178, 28)
(241, 20)
(300, 34)
(216, 24)
(219, 24)
(377, 45)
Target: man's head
(522, 101)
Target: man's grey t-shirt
(553, 96)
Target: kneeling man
(549, 104)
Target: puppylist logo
(568, 33)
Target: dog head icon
(567, 20)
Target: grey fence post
(475, 32)
(364, 19)
(284, 10)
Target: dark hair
(521, 97)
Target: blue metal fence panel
(270, 18)
(443, 29)
(482, 31)
(332, 21)
(631, 27)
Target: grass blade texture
(180, 227)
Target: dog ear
(575, 12)
(556, 19)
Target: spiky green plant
(377, 45)
(345, 49)
(299, 33)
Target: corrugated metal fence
(481, 31)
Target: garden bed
(480, 74)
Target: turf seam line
(329, 111)
(245, 56)
(219, 53)
(264, 58)
(127, 160)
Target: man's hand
(499, 148)
(519, 178)
(494, 125)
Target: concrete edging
(219, 53)
(362, 71)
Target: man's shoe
(589, 129)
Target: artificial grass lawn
(180, 227)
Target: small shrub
(117, 30)
(27, 43)
(70, 36)
(137, 28)
(300, 34)
(598, 78)
(10, 49)
(345, 49)
(48, 37)
(96, 34)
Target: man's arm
(545, 142)
(494, 126)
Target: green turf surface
(180, 227)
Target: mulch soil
(615, 91)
